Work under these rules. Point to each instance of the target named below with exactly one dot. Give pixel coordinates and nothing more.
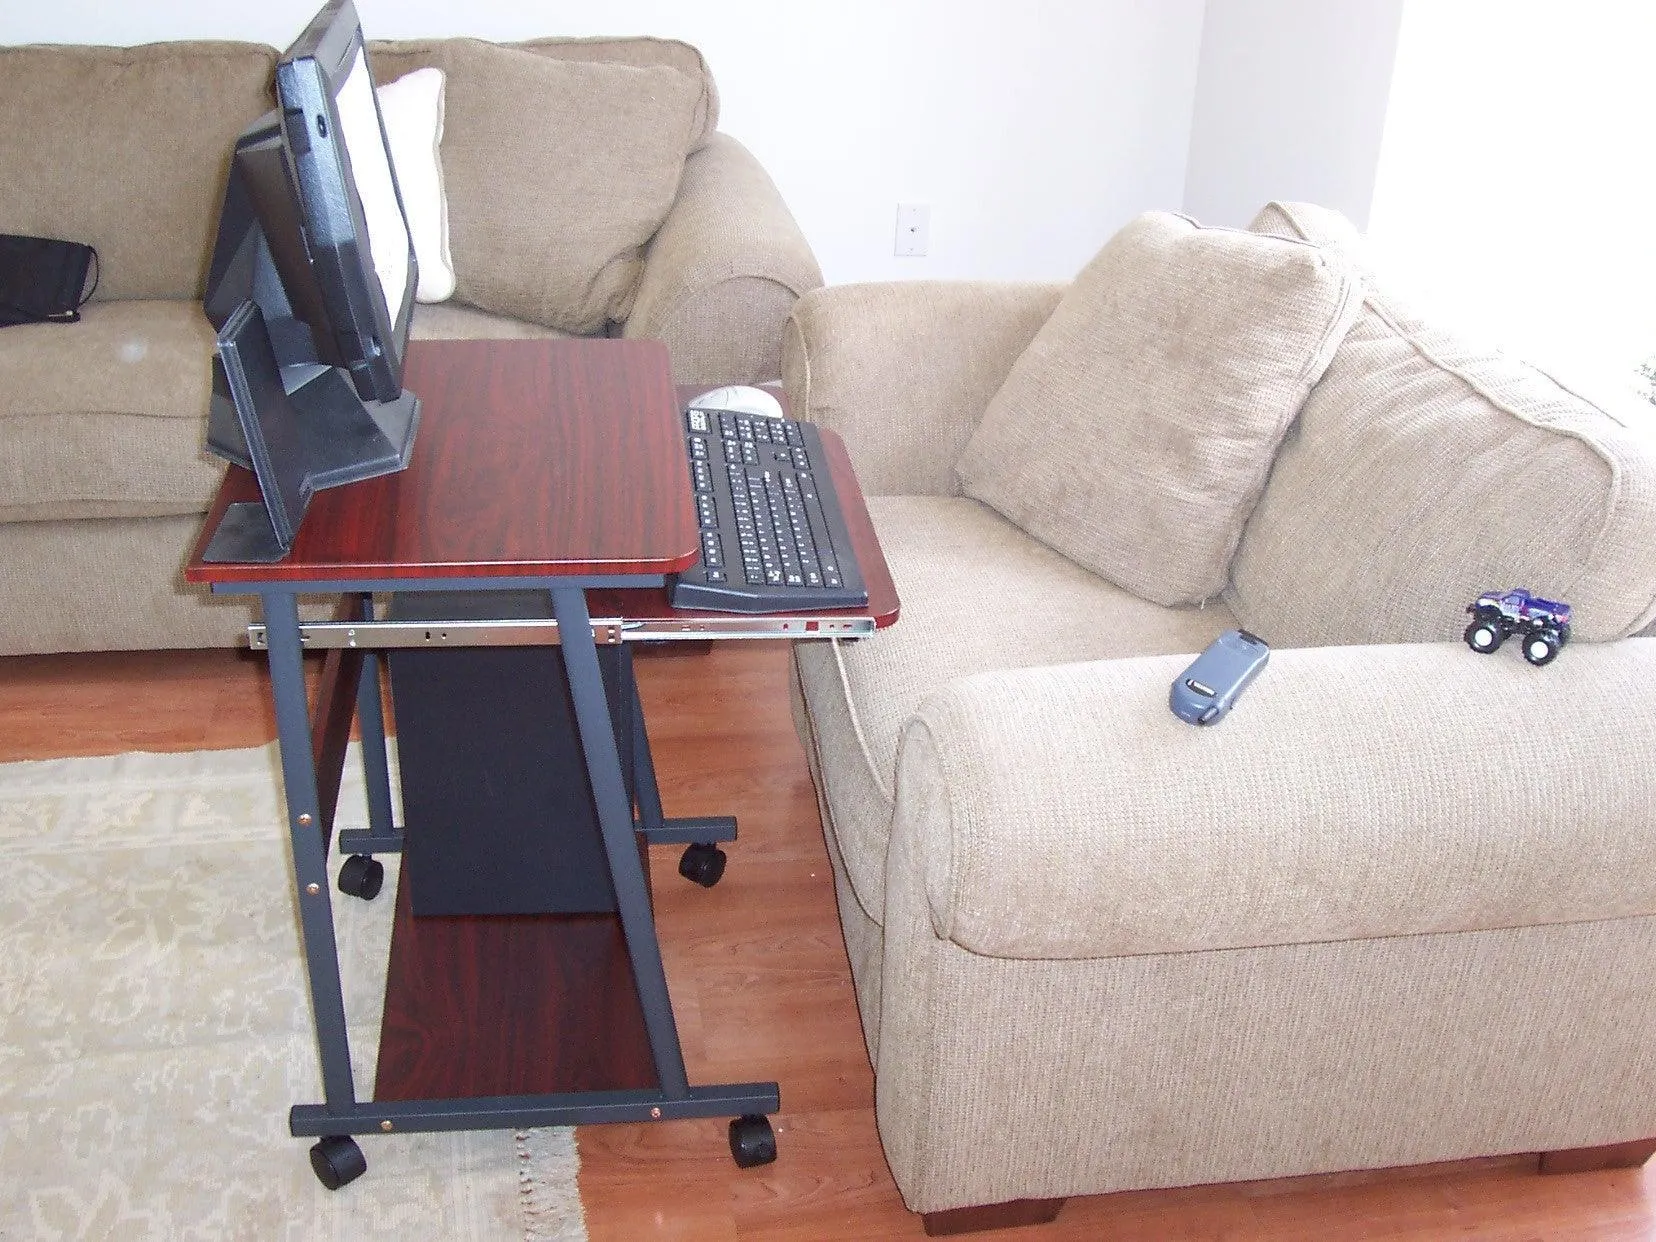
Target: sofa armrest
(1354, 792)
(903, 370)
(723, 271)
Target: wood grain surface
(532, 457)
(509, 1005)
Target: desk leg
(382, 835)
(310, 847)
(609, 790)
(646, 789)
(653, 825)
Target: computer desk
(558, 467)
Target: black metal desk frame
(285, 638)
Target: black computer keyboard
(773, 534)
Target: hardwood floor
(761, 988)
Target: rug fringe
(555, 1217)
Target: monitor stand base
(347, 439)
(244, 533)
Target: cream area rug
(155, 1026)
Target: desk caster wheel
(361, 876)
(702, 863)
(337, 1161)
(752, 1141)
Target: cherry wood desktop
(533, 458)
(559, 466)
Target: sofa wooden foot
(991, 1216)
(1591, 1159)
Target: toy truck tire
(1484, 637)
(1542, 646)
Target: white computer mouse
(739, 399)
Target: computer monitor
(311, 292)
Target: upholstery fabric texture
(906, 414)
(700, 283)
(1424, 470)
(412, 109)
(1006, 1078)
(558, 173)
(1036, 607)
(1294, 822)
(131, 589)
(1320, 225)
(391, 58)
(1178, 356)
(455, 321)
(863, 937)
(102, 418)
(159, 121)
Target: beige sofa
(1398, 907)
(588, 192)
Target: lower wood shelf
(489, 1005)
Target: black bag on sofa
(43, 279)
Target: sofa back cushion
(392, 58)
(1135, 433)
(558, 172)
(1424, 470)
(127, 148)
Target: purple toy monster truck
(1496, 615)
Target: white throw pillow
(412, 107)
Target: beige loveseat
(1398, 907)
(588, 192)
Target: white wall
(1516, 192)
(1290, 103)
(1033, 130)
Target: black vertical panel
(497, 808)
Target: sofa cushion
(1424, 470)
(455, 321)
(558, 173)
(104, 418)
(391, 58)
(1322, 226)
(1029, 606)
(127, 148)
(1135, 433)
(907, 413)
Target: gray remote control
(1209, 688)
